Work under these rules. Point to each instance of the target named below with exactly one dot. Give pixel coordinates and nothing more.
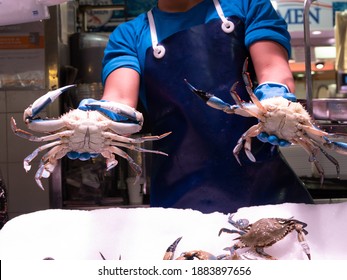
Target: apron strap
(159, 50)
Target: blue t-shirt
(129, 41)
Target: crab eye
(242, 223)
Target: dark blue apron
(201, 172)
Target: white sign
(321, 15)
(15, 12)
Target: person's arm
(274, 76)
(122, 86)
(270, 61)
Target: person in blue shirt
(205, 42)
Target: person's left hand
(268, 90)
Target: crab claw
(338, 147)
(118, 108)
(170, 251)
(42, 102)
(205, 96)
(212, 101)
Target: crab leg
(245, 75)
(312, 151)
(318, 136)
(230, 231)
(304, 244)
(249, 109)
(328, 156)
(110, 159)
(132, 163)
(248, 82)
(42, 102)
(247, 136)
(338, 147)
(311, 147)
(40, 172)
(127, 142)
(27, 135)
(300, 229)
(138, 149)
(313, 130)
(48, 164)
(34, 154)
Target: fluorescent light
(317, 32)
(320, 65)
(325, 52)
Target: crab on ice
(83, 132)
(277, 116)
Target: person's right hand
(268, 90)
(113, 116)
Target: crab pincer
(170, 251)
(212, 100)
(42, 102)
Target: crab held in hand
(83, 132)
(277, 116)
(264, 233)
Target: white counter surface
(145, 233)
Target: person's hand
(113, 116)
(268, 90)
(82, 106)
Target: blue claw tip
(202, 94)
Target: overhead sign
(321, 15)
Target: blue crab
(264, 233)
(83, 132)
(277, 116)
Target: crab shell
(284, 118)
(266, 232)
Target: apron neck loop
(227, 25)
(159, 50)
